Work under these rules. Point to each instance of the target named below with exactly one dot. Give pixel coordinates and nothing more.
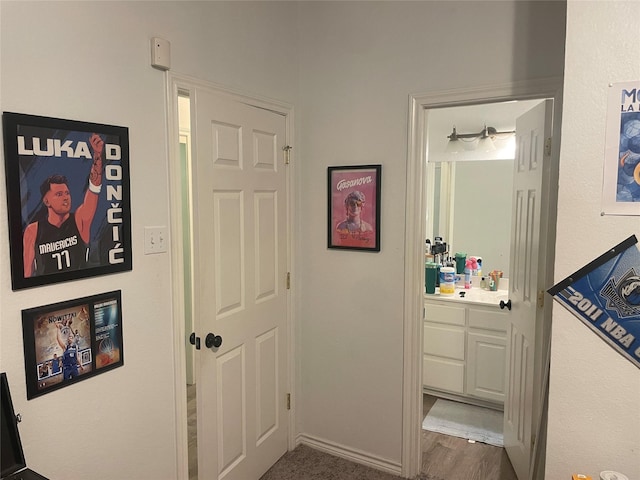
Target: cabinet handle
(507, 304)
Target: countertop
(476, 296)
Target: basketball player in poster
(60, 242)
(70, 358)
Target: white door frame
(419, 106)
(175, 84)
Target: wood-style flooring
(443, 458)
(452, 458)
(192, 432)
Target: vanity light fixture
(483, 140)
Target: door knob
(507, 304)
(193, 340)
(212, 340)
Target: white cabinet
(464, 350)
(486, 353)
(485, 366)
(444, 347)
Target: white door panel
(240, 263)
(266, 245)
(533, 129)
(267, 411)
(232, 421)
(228, 250)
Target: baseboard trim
(351, 454)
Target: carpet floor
(306, 463)
(443, 458)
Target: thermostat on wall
(160, 53)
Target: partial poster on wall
(68, 199)
(70, 341)
(621, 179)
(605, 296)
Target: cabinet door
(443, 313)
(443, 374)
(486, 365)
(444, 341)
(488, 319)
(443, 360)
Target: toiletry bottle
(479, 260)
(467, 274)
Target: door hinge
(288, 280)
(288, 401)
(547, 147)
(287, 154)
(541, 299)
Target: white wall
(360, 61)
(482, 212)
(90, 61)
(594, 421)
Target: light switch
(155, 240)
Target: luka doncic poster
(605, 296)
(68, 199)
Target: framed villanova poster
(70, 341)
(354, 207)
(68, 199)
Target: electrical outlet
(155, 240)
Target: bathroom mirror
(469, 206)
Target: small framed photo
(68, 199)
(70, 341)
(354, 207)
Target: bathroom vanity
(465, 346)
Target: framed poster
(621, 175)
(68, 199)
(70, 341)
(354, 207)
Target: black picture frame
(45, 152)
(354, 207)
(91, 325)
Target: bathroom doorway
(422, 109)
(469, 190)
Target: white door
(533, 129)
(240, 268)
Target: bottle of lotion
(467, 274)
